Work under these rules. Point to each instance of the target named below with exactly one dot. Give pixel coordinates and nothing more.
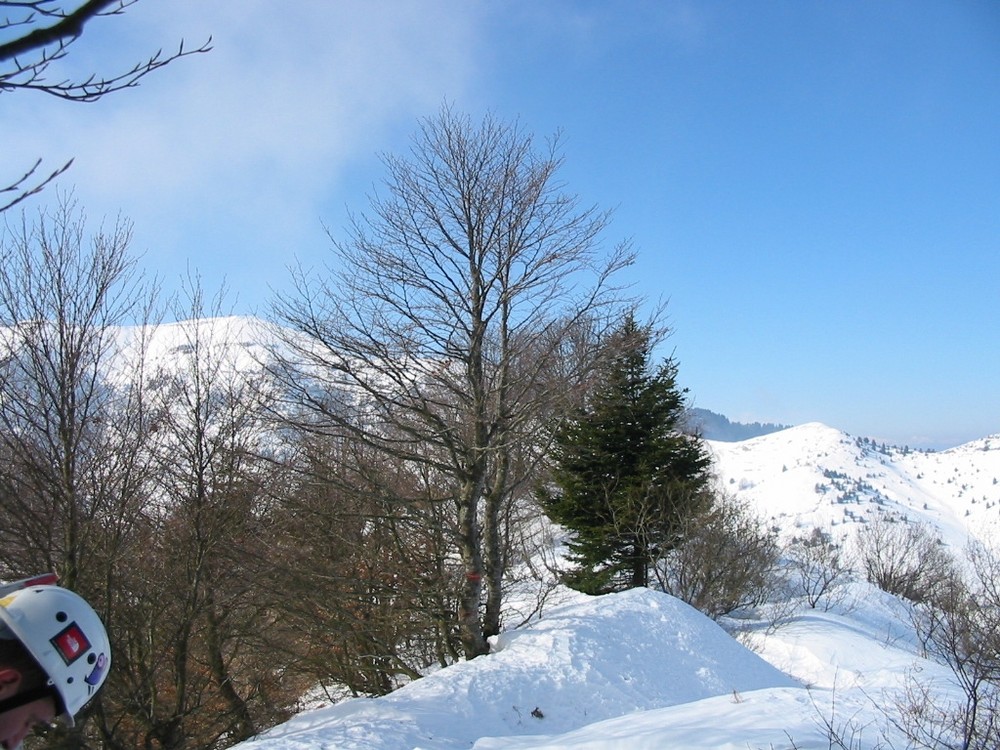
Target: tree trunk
(469, 626)
(493, 544)
(640, 568)
(243, 722)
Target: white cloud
(253, 135)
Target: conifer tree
(627, 478)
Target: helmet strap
(29, 696)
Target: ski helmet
(65, 637)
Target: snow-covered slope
(239, 344)
(814, 475)
(643, 670)
(585, 662)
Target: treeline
(355, 506)
(713, 426)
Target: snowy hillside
(639, 670)
(643, 670)
(240, 344)
(814, 475)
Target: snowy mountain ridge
(813, 475)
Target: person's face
(17, 723)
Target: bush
(727, 561)
(819, 570)
(906, 560)
(960, 629)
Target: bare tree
(38, 33)
(60, 296)
(440, 317)
(194, 617)
(726, 560)
(906, 560)
(818, 568)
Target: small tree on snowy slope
(627, 478)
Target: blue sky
(814, 186)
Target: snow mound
(594, 659)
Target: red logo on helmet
(71, 643)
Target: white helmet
(65, 636)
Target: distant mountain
(797, 477)
(713, 426)
(813, 476)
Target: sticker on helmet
(71, 643)
(94, 678)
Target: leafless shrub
(906, 560)
(960, 628)
(919, 716)
(843, 732)
(727, 562)
(818, 568)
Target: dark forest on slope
(713, 426)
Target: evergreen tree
(627, 479)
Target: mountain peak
(813, 475)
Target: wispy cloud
(250, 138)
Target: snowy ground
(643, 670)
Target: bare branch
(68, 27)
(22, 190)
(39, 33)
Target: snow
(640, 669)
(594, 659)
(240, 344)
(817, 476)
(722, 722)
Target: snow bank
(595, 659)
